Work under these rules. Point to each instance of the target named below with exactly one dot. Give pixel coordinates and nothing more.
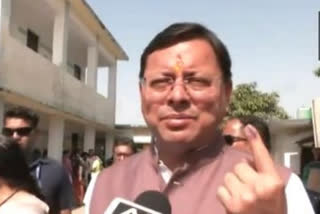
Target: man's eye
(161, 83)
(198, 83)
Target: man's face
(20, 130)
(233, 130)
(121, 152)
(184, 96)
(91, 153)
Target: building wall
(44, 80)
(285, 135)
(37, 78)
(286, 152)
(19, 32)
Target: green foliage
(317, 72)
(247, 100)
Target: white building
(140, 134)
(50, 51)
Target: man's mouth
(177, 121)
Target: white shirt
(89, 192)
(297, 198)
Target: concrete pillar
(60, 36)
(89, 138)
(92, 63)
(112, 86)
(316, 119)
(109, 145)
(56, 138)
(5, 16)
(1, 113)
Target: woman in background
(19, 192)
(77, 179)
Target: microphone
(148, 202)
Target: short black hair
(261, 126)
(185, 31)
(125, 141)
(23, 113)
(14, 169)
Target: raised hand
(254, 188)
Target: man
(185, 89)
(122, 149)
(311, 178)
(313, 165)
(234, 135)
(66, 162)
(95, 164)
(20, 124)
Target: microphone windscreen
(154, 200)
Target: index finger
(262, 159)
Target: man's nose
(15, 135)
(179, 96)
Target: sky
(273, 43)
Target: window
(32, 40)
(77, 71)
(74, 141)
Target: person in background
(96, 164)
(233, 131)
(20, 124)
(66, 161)
(122, 149)
(311, 179)
(77, 179)
(19, 192)
(315, 164)
(86, 169)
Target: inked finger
(262, 159)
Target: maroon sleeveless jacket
(191, 190)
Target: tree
(247, 100)
(317, 72)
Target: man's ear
(142, 96)
(228, 91)
(35, 134)
(140, 88)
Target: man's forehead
(190, 55)
(123, 147)
(17, 121)
(234, 122)
(234, 125)
(178, 66)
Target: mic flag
(122, 206)
(149, 202)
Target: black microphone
(148, 202)
(154, 200)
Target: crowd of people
(45, 185)
(199, 165)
